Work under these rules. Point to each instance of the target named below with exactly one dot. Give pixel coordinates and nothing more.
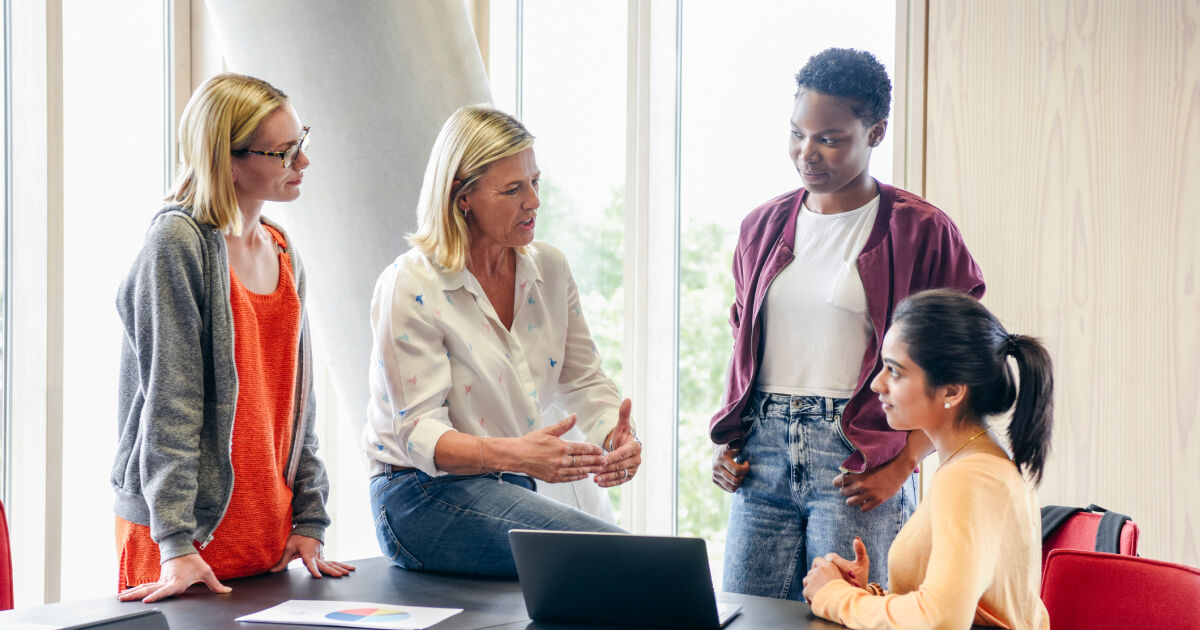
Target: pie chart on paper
(368, 615)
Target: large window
(114, 105)
(576, 110)
(577, 113)
(735, 103)
(565, 68)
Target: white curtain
(375, 80)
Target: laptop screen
(617, 579)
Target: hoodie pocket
(125, 473)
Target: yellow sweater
(971, 553)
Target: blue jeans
(459, 524)
(787, 511)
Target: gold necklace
(960, 447)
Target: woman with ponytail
(970, 554)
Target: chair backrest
(1105, 591)
(1081, 530)
(6, 574)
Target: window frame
(34, 251)
(6, 252)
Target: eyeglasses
(287, 158)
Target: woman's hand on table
(625, 451)
(821, 573)
(308, 549)
(175, 576)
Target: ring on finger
(625, 474)
(572, 461)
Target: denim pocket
(390, 545)
(385, 484)
(751, 418)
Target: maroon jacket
(913, 246)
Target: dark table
(494, 603)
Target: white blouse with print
(441, 359)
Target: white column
(375, 80)
(651, 260)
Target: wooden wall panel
(1064, 138)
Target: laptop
(617, 579)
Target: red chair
(1089, 529)
(6, 579)
(1104, 591)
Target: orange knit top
(254, 531)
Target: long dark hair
(956, 340)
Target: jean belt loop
(839, 407)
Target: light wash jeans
(787, 511)
(459, 524)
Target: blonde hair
(222, 116)
(472, 138)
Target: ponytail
(1033, 416)
(956, 340)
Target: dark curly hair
(852, 74)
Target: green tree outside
(594, 245)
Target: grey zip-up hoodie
(178, 392)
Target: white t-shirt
(815, 320)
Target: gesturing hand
(309, 551)
(832, 566)
(625, 451)
(857, 570)
(545, 456)
(175, 576)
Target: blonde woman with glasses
(477, 330)
(216, 473)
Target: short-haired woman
(477, 329)
(216, 472)
(801, 442)
(972, 551)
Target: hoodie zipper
(233, 368)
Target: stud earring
(947, 405)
